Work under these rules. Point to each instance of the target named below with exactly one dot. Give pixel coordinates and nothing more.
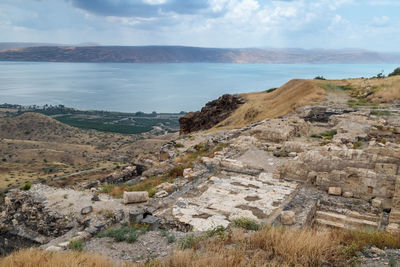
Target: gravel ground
(149, 245)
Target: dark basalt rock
(213, 113)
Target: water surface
(133, 87)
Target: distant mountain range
(185, 54)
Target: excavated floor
(223, 198)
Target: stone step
(326, 223)
(365, 216)
(345, 220)
(394, 216)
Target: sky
(328, 24)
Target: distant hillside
(182, 54)
(298, 92)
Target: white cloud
(154, 2)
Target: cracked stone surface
(227, 198)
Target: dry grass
(36, 258)
(375, 90)
(280, 102)
(275, 246)
(298, 93)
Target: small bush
(246, 223)
(271, 90)
(124, 233)
(395, 72)
(316, 136)
(176, 171)
(76, 245)
(329, 134)
(380, 112)
(219, 231)
(345, 87)
(178, 145)
(357, 145)
(319, 78)
(170, 237)
(187, 242)
(26, 186)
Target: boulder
(161, 194)
(348, 194)
(86, 210)
(335, 191)
(288, 217)
(376, 202)
(168, 187)
(136, 197)
(151, 221)
(53, 248)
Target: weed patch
(246, 223)
(76, 245)
(124, 233)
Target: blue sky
(330, 24)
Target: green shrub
(395, 72)
(187, 242)
(271, 90)
(246, 223)
(380, 112)
(219, 230)
(170, 237)
(357, 145)
(26, 186)
(124, 233)
(319, 78)
(345, 87)
(178, 145)
(316, 136)
(329, 134)
(76, 245)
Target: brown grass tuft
(40, 258)
(276, 246)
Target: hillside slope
(283, 100)
(34, 146)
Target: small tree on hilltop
(395, 72)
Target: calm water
(154, 87)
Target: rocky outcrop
(27, 220)
(213, 113)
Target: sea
(164, 88)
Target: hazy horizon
(321, 24)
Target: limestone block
(135, 197)
(161, 194)
(188, 172)
(393, 228)
(81, 236)
(377, 203)
(386, 168)
(335, 191)
(288, 217)
(63, 244)
(53, 248)
(348, 194)
(168, 187)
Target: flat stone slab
(222, 199)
